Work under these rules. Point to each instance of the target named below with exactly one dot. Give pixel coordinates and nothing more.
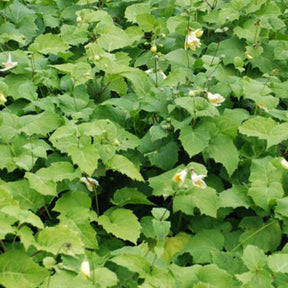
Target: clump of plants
(143, 143)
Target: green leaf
(133, 262)
(27, 197)
(80, 71)
(113, 38)
(259, 127)
(254, 278)
(17, 268)
(43, 185)
(140, 82)
(214, 277)
(278, 263)
(197, 106)
(203, 243)
(124, 166)
(234, 197)
(40, 124)
(85, 157)
(104, 277)
(206, 200)
(266, 236)
(265, 181)
(127, 196)
(277, 134)
(146, 22)
(161, 229)
(23, 216)
(282, 206)
(254, 258)
(49, 43)
(228, 261)
(59, 171)
(60, 239)
(134, 10)
(164, 158)
(122, 223)
(194, 140)
(74, 209)
(230, 48)
(222, 149)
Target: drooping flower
(263, 107)
(85, 268)
(215, 99)
(192, 41)
(284, 163)
(9, 64)
(197, 180)
(90, 182)
(3, 99)
(180, 177)
(149, 71)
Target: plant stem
(96, 200)
(156, 71)
(3, 246)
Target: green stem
(156, 71)
(3, 246)
(96, 200)
(47, 211)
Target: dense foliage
(143, 143)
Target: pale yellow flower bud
(284, 163)
(153, 49)
(3, 99)
(85, 269)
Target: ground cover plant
(143, 143)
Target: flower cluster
(192, 41)
(197, 180)
(215, 99)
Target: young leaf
(278, 263)
(254, 258)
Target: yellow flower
(180, 177)
(85, 269)
(197, 180)
(9, 64)
(284, 163)
(3, 99)
(192, 41)
(215, 99)
(90, 182)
